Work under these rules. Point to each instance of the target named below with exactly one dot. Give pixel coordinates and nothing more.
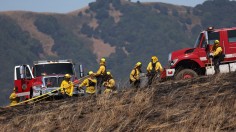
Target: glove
(211, 55)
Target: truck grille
(53, 81)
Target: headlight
(37, 87)
(173, 62)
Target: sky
(64, 6)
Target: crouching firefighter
(109, 84)
(217, 55)
(90, 84)
(134, 76)
(154, 69)
(14, 99)
(101, 74)
(67, 87)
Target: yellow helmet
(103, 60)
(138, 64)
(90, 72)
(108, 73)
(216, 42)
(67, 76)
(154, 59)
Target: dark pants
(135, 84)
(152, 77)
(216, 61)
(100, 80)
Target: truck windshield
(212, 36)
(50, 69)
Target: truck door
(203, 49)
(230, 45)
(23, 79)
(200, 47)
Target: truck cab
(44, 77)
(192, 62)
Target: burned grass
(201, 104)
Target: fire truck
(193, 62)
(44, 77)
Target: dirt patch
(102, 49)
(26, 22)
(93, 23)
(116, 14)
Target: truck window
(18, 73)
(232, 35)
(198, 40)
(51, 69)
(212, 36)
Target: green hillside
(124, 32)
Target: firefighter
(109, 84)
(13, 98)
(217, 55)
(154, 69)
(135, 75)
(67, 87)
(100, 75)
(90, 84)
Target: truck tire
(186, 74)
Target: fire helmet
(90, 72)
(216, 42)
(138, 64)
(67, 76)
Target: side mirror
(81, 71)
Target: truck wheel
(186, 74)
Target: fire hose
(46, 95)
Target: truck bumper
(38, 92)
(167, 73)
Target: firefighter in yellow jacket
(135, 75)
(154, 69)
(217, 55)
(90, 84)
(67, 86)
(100, 74)
(109, 84)
(14, 99)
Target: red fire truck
(44, 77)
(192, 62)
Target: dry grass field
(201, 104)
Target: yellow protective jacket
(134, 75)
(101, 70)
(158, 67)
(217, 50)
(13, 99)
(68, 87)
(109, 85)
(90, 85)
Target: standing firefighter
(13, 98)
(135, 75)
(153, 69)
(67, 86)
(109, 84)
(100, 75)
(217, 55)
(90, 84)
